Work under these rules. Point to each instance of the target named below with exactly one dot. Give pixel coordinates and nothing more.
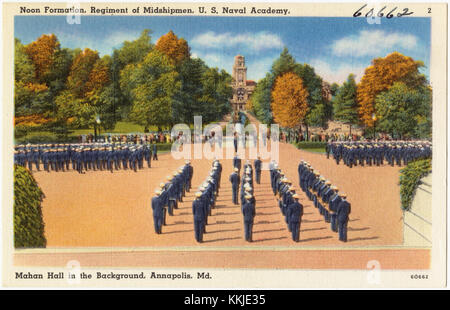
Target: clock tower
(242, 88)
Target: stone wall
(417, 221)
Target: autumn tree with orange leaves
(84, 98)
(289, 100)
(177, 50)
(99, 76)
(58, 89)
(41, 53)
(80, 72)
(380, 76)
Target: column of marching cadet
(331, 204)
(290, 207)
(205, 199)
(247, 198)
(82, 157)
(248, 201)
(374, 153)
(170, 193)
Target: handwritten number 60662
(380, 13)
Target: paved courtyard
(112, 211)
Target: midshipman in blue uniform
(248, 211)
(295, 211)
(158, 211)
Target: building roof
(250, 83)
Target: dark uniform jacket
(295, 212)
(234, 179)
(157, 206)
(248, 210)
(198, 210)
(343, 210)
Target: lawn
(315, 150)
(315, 147)
(121, 127)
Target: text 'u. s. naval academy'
(252, 10)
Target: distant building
(242, 88)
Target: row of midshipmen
(86, 156)
(237, 163)
(332, 205)
(170, 193)
(205, 200)
(248, 201)
(288, 200)
(374, 153)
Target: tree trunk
(307, 132)
(95, 132)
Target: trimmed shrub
(410, 179)
(310, 145)
(47, 138)
(162, 147)
(28, 221)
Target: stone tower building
(242, 88)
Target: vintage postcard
(215, 145)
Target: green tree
(107, 103)
(403, 111)
(67, 108)
(32, 99)
(380, 76)
(187, 101)
(216, 93)
(223, 93)
(129, 54)
(23, 66)
(153, 84)
(56, 78)
(317, 115)
(85, 98)
(82, 112)
(319, 111)
(285, 63)
(345, 106)
(261, 99)
(334, 89)
(132, 52)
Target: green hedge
(163, 147)
(310, 145)
(28, 221)
(410, 179)
(46, 138)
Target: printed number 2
(429, 10)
